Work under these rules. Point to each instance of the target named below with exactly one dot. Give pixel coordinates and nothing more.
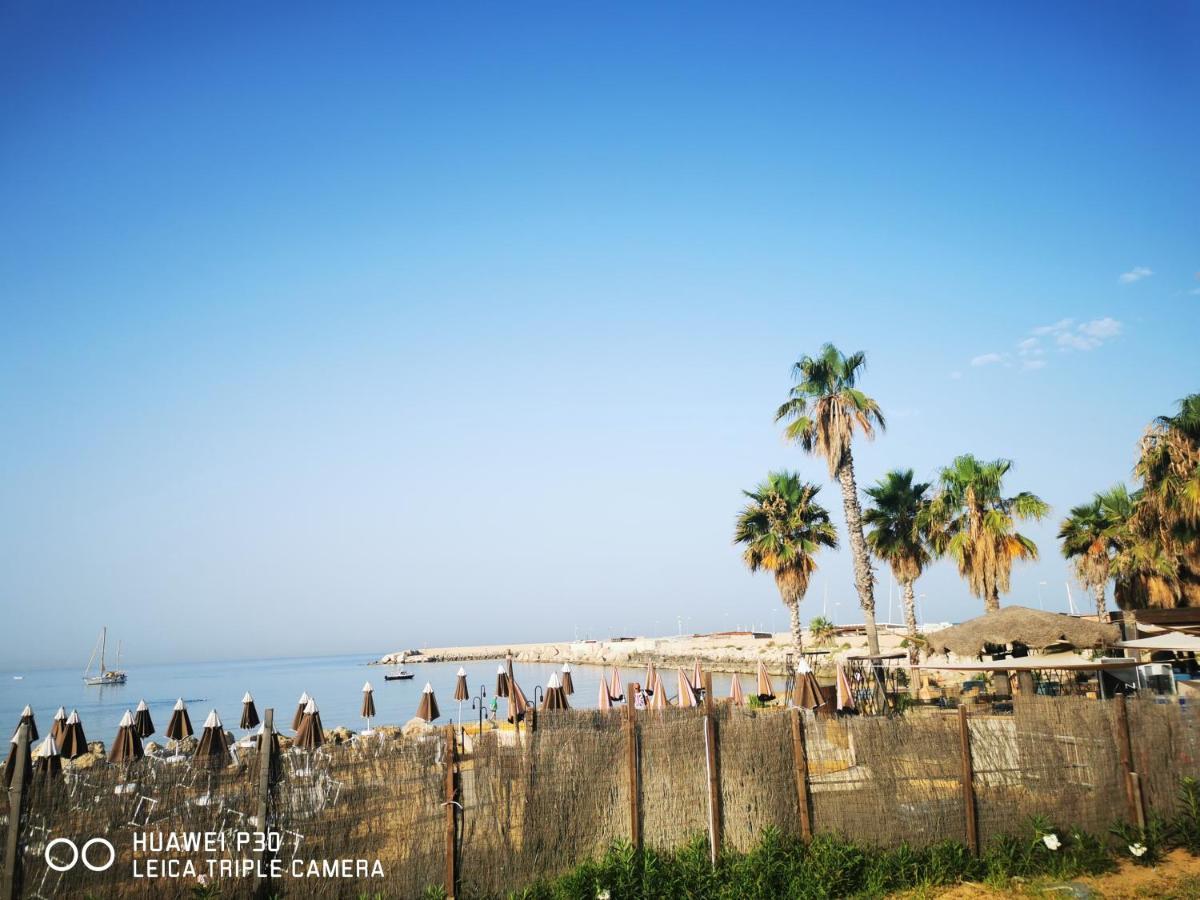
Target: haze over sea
(335, 681)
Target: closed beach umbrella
(27, 719)
(659, 699)
(57, 724)
(141, 720)
(427, 709)
(697, 679)
(48, 764)
(461, 691)
(556, 695)
(618, 693)
(765, 690)
(213, 750)
(651, 678)
(74, 742)
(368, 706)
(10, 765)
(180, 725)
(518, 705)
(311, 734)
(501, 682)
(735, 691)
(807, 694)
(300, 707)
(845, 695)
(127, 746)
(249, 713)
(568, 683)
(687, 693)
(605, 702)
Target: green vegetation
(781, 866)
(782, 528)
(822, 630)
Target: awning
(1168, 640)
(1071, 661)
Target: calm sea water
(335, 681)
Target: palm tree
(1087, 538)
(972, 521)
(823, 410)
(783, 528)
(1169, 505)
(895, 537)
(1144, 572)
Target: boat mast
(91, 659)
(103, 642)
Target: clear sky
(331, 330)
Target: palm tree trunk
(1129, 620)
(1101, 608)
(910, 622)
(797, 629)
(992, 602)
(864, 579)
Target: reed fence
(513, 806)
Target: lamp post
(533, 713)
(479, 699)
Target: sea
(336, 683)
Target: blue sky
(337, 331)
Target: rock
(151, 748)
(417, 727)
(339, 735)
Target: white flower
(202, 878)
(603, 895)
(1137, 849)
(1051, 841)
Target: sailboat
(103, 675)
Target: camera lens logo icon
(86, 854)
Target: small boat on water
(104, 675)
(401, 674)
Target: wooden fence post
(800, 755)
(968, 782)
(1133, 793)
(451, 804)
(635, 781)
(16, 803)
(266, 761)
(713, 763)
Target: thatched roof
(1020, 625)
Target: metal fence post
(451, 804)
(800, 755)
(713, 763)
(968, 782)
(635, 781)
(16, 803)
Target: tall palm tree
(783, 528)
(972, 521)
(1086, 536)
(895, 537)
(823, 410)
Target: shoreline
(724, 652)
